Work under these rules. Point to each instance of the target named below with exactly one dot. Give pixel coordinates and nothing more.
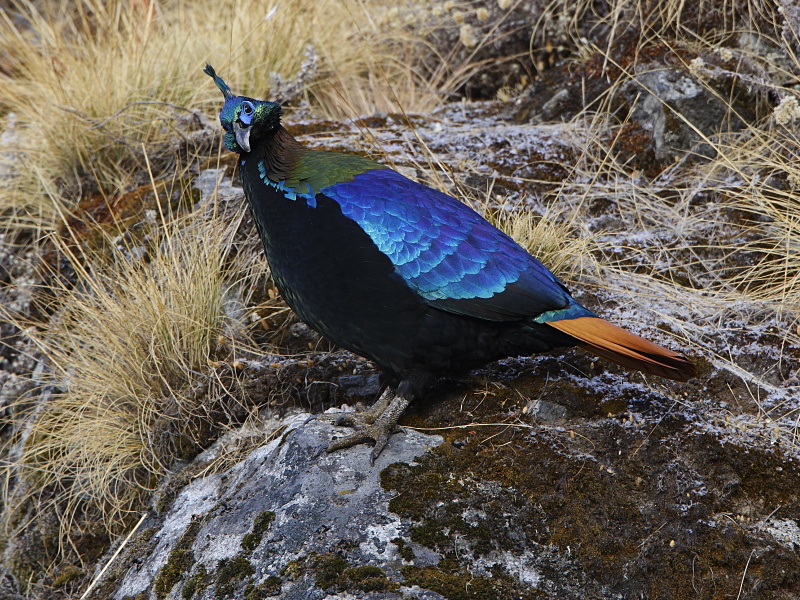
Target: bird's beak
(242, 135)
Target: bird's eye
(247, 108)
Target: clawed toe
(377, 434)
(373, 426)
(353, 419)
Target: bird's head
(245, 120)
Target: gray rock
(676, 109)
(547, 411)
(361, 386)
(286, 507)
(212, 183)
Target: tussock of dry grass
(759, 176)
(131, 348)
(708, 250)
(97, 85)
(723, 228)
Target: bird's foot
(376, 434)
(373, 425)
(360, 417)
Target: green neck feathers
(303, 170)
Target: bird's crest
(223, 87)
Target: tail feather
(626, 349)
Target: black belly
(336, 279)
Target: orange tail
(626, 349)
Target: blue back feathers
(445, 251)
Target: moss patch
(328, 570)
(196, 584)
(261, 524)
(368, 578)
(405, 551)
(462, 585)
(179, 562)
(609, 508)
(230, 573)
(333, 572)
(294, 569)
(270, 587)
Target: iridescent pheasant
(403, 274)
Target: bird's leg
(377, 423)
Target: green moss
(230, 572)
(463, 585)
(196, 583)
(328, 570)
(294, 569)
(333, 572)
(261, 524)
(250, 542)
(189, 588)
(179, 562)
(517, 494)
(368, 578)
(405, 551)
(145, 536)
(270, 587)
(364, 572)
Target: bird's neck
(280, 152)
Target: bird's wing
(451, 256)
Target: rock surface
(288, 520)
(540, 490)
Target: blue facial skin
(246, 112)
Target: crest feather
(223, 87)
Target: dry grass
(708, 251)
(97, 85)
(656, 21)
(723, 233)
(726, 230)
(132, 347)
(758, 174)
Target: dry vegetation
(97, 85)
(109, 95)
(132, 347)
